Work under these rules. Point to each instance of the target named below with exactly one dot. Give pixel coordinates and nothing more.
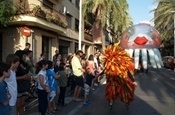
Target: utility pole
(174, 35)
(80, 26)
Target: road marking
(172, 78)
(74, 110)
(68, 99)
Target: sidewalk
(68, 109)
(32, 108)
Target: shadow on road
(156, 83)
(99, 106)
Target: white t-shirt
(12, 86)
(43, 73)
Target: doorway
(45, 46)
(64, 48)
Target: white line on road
(172, 78)
(74, 110)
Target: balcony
(88, 37)
(44, 13)
(88, 31)
(54, 1)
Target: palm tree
(164, 17)
(108, 13)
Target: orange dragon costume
(139, 42)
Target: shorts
(79, 81)
(51, 96)
(86, 89)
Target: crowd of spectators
(52, 80)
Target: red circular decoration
(26, 31)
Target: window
(47, 3)
(76, 25)
(45, 46)
(77, 3)
(68, 17)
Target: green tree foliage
(109, 12)
(6, 12)
(164, 18)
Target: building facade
(51, 24)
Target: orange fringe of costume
(118, 64)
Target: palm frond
(110, 12)
(164, 18)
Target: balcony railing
(45, 13)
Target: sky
(140, 10)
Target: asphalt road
(154, 95)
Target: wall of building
(14, 40)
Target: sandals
(52, 112)
(56, 109)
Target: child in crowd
(42, 87)
(12, 60)
(62, 81)
(4, 93)
(87, 86)
(53, 87)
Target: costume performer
(140, 40)
(119, 69)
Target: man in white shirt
(78, 74)
(12, 60)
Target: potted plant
(49, 17)
(37, 11)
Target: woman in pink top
(91, 66)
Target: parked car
(168, 62)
